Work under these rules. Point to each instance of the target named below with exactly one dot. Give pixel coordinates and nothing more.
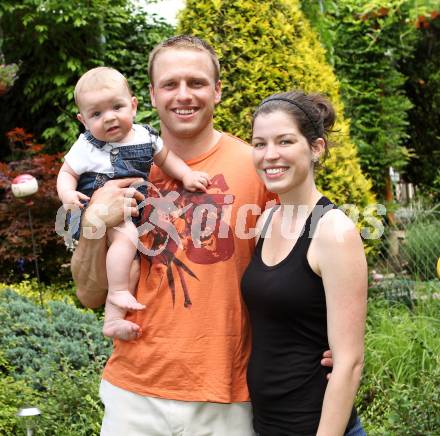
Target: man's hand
(110, 205)
(327, 360)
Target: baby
(113, 147)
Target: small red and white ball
(24, 185)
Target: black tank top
(287, 309)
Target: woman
(306, 285)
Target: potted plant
(8, 75)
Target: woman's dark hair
(313, 113)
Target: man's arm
(89, 271)
(106, 209)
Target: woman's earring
(315, 159)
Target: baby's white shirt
(84, 156)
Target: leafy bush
(72, 406)
(39, 341)
(68, 401)
(268, 47)
(399, 394)
(14, 394)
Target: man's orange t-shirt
(195, 341)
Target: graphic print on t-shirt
(190, 221)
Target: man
(186, 374)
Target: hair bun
(326, 110)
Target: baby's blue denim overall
(127, 161)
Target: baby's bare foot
(122, 329)
(124, 300)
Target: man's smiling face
(184, 91)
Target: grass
(400, 390)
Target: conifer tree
(267, 47)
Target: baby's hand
(196, 180)
(73, 199)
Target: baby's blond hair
(99, 78)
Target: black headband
(288, 100)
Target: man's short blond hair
(184, 42)
(100, 78)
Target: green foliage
(423, 89)
(268, 47)
(399, 394)
(73, 407)
(13, 395)
(366, 40)
(68, 401)
(41, 340)
(56, 42)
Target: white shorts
(130, 414)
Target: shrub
(40, 341)
(268, 47)
(14, 394)
(73, 407)
(68, 401)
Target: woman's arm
(106, 209)
(339, 257)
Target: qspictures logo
(204, 227)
